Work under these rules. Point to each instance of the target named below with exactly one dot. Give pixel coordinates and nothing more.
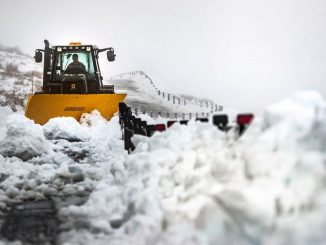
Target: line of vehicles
(73, 85)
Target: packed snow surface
(189, 185)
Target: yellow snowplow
(72, 84)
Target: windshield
(64, 59)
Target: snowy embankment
(146, 95)
(189, 185)
(19, 76)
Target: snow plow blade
(42, 107)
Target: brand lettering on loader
(74, 108)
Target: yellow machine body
(42, 107)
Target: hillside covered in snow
(147, 95)
(17, 70)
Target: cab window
(65, 58)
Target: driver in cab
(75, 66)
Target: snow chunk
(65, 128)
(24, 139)
(92, 119)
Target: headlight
(88, 49)
(59, 49)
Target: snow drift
(189, 185)
(195, 185)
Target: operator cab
(82, 77)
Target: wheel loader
(70, 90)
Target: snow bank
(189, 185)
(196, 185)
(23, 139)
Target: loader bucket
(42, 107)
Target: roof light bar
(75, 44)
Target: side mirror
(111, 55)
(38, 56)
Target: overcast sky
(241, 53)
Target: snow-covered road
(189, 185)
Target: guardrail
(172, 98)
(131, 125)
